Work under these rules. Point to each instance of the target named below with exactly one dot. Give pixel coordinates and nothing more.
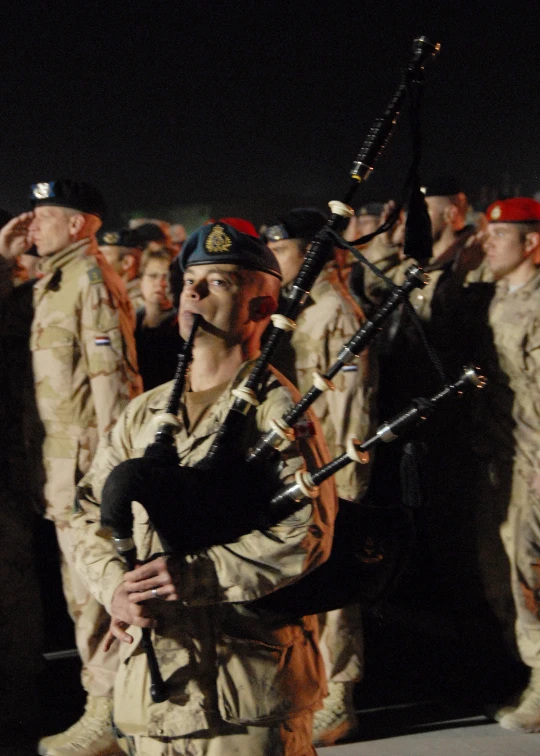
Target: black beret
(221, 243)
(370, 208)
(442, 186)
(124, 237)
(300, 223)
(149, 232)
(67, 193)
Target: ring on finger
(155, 593)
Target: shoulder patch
(95, 275)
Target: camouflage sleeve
(96, 558)
(527, 407)
(103, 348)
(262, 561)
(350, 404)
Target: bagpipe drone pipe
(216, 478)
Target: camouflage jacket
(507, 347)
(325, 324)
(79, 359)
(216, 655)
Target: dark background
(251, 108)
(257, 105)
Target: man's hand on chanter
(125, 613)
(156, 579)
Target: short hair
(527, 228)
(92, 223)
(157, 254)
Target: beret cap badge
(43, 190)
(111, 237)
(217, 241)
(514, 210)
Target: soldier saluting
(85, 372)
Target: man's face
(289, 256)
(221, 293)
(155, 282)
(50, 229)
(366, 224)
(438, 209)
(505, 250)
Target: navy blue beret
(221, 243)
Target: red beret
(515, 210)
(245, 226)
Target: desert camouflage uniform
(21, 498)
(508, 444)
(82, 383)
(229, 669)
(327, 322)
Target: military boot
(526, 716)
(92, 735)
(337, 719)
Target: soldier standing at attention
(85, 372)
(238, 683)
(508, 434)
(329, 319)
(123, 249)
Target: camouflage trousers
(91, 622)
(520, 534)
(341, 642)
(288, 738)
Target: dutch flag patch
(102, 341)
(350, 368)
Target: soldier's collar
(59, 259)
(162, 397)
(503, 288)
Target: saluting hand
(14, 236)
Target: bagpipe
(236, 490)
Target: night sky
(261, 104)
